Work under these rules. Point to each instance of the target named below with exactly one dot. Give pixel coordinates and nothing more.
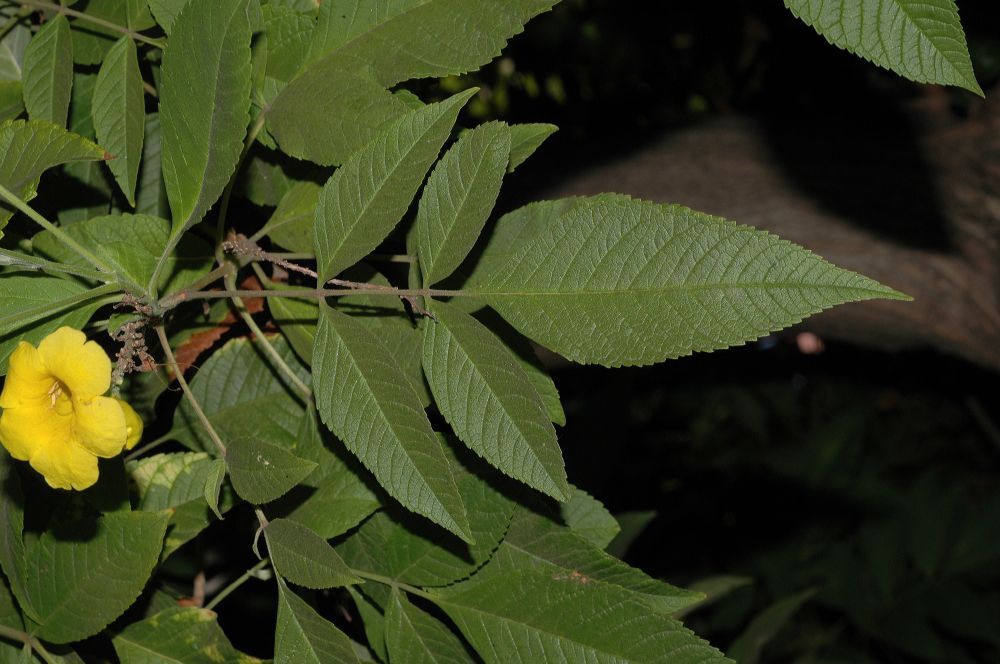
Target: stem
(266, 345)
(14, 200)
(26, 316)
(199, 413)
(152, 286)
(316, 293)
(18, 259)
(220, 226)
(150, 90)
(228, 590)
(378, 578)
(114, 27)
(29, 641)
(136, 453)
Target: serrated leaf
(921, 40)
(244, 398)
(28, 149)
(178, 635)
(616, 281)
(302, 636)
(48, 72)
(119, 114)
(213, 486)
(288, 38)
(291, 225)
(525, 139)
(24, 293)
(368, 195)
(111, 558)
(304, 558)
(166, 11)
(483, 392)
(534, 540)
(12, 550)
(588, 518)
(415, 636)
(151, 195)
(92, 41)
(506, 609)
(131, 245)
(175, 482)
(367, 402)
(204, 104)
(262, 472)
(402, 547)
(460, 194)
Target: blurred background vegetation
(841, 506)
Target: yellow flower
(54, 416)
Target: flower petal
(81, 365)
(65, 465)
(26, 428)
(99, 425)
(133, 424)
(28, 381)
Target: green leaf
(373, 619)
(415, 636)
(175, 482)
(402, 547)
(10, 617)
(244, 398)
(48, 72)
(490, 402)
(748, 646)
(262, 472)
(119, 114)
(304, 558)
(542, 617)
(151, 196)
(534, 540)
(288, 37)
(166, 12)
(297, 320)
(632, 525)
(616, 281)
(525, 139)
(302, 636)
(213, 485)
(713, 588)
(110, 558)
(588, 518)
(291, 225)
(368, 195)
(131, 245)
(11, 100)
(178, 635)
(921, 40)
(204, 104)
(13, 560)
(92, 41)
(28, 149)
(458, 198)
(367, 401)
(24, 293)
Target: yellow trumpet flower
(54, 415)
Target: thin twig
(150, 90)
(16, 201)
(114, 27)
(29, 641)
(228, 590)
(384, 580)
(179, 375)
(138, 452)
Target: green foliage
(390, 433)
(919, 39)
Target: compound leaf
(365, 199)
(921, 40)
(482, 390)
(48, 72)
(262, 472)
(304, 558)
(178, 635)
(367, 401)
(415, 636)
(302, 636)
(616, 281)
(120, 115)
(204, 104)
(458, 198)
